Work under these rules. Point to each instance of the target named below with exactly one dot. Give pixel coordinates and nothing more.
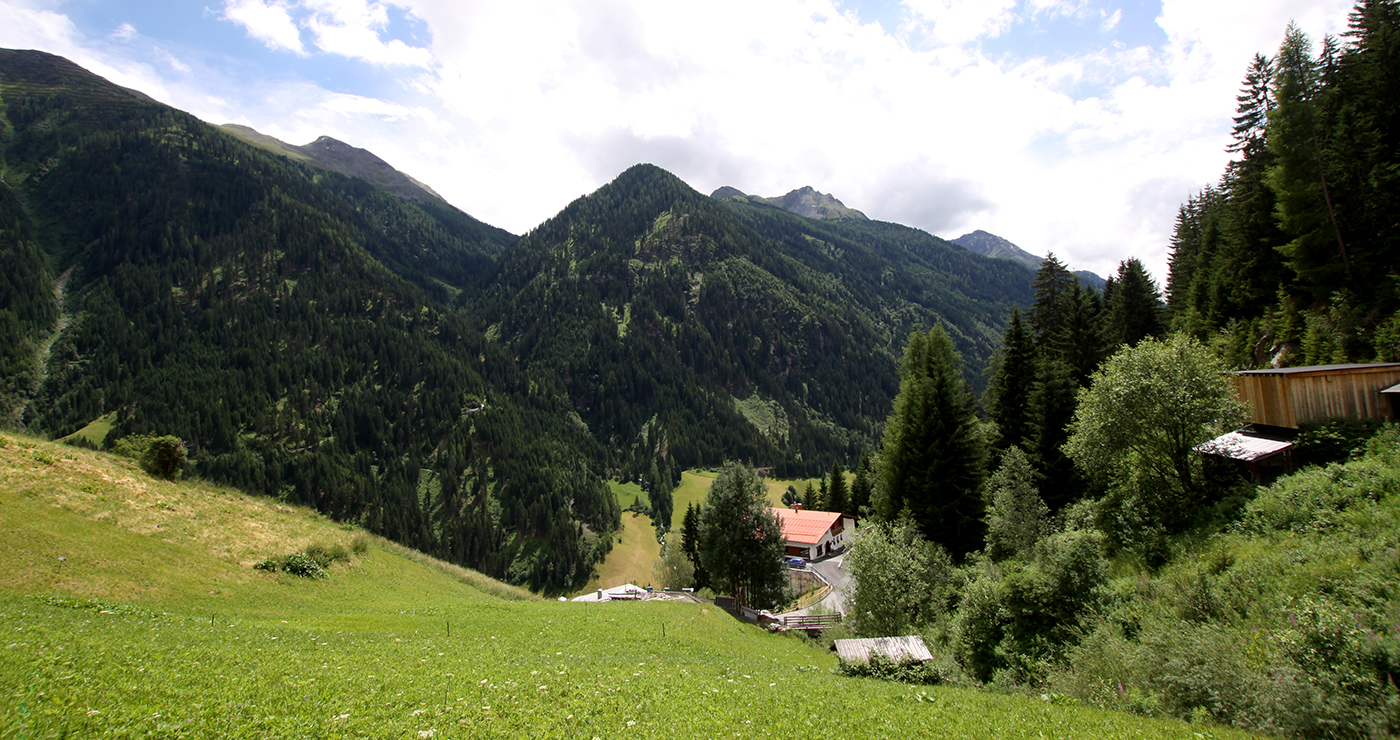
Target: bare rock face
(804, 201)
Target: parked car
(797, 563)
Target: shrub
(1332, 440)
(977, 625)
(160, 456)
(904, 671)
(325, 555)
(359, 544)
(301, 564)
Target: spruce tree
(837, 497)
(1316, 251)
(690, 544)
(1008, 395)
(1052, 406)
(1053, 284)
(863, 486)
(1079, 343)
(931, 459)
(1135, 308)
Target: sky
(1076, 127)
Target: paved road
(834, 571)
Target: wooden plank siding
(1288, 397)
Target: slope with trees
(1292, 258)
(284, 323)
(688, 330)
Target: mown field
(131, 609)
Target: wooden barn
(1281, 399)
(1289, 396)
(909, 649)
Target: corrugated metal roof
(805, 527)
(897, 649)
(1320, 368)
(1240, 446)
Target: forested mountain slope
(314, 337)
(283, 321)
(338, 156)
(689, 330)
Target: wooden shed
(897, 649)
(1289, 396)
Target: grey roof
(1240, 446)
(897, 649)
(1319, 368)
(1392, 389)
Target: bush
(162, 457)
(1333, 440)
(315, 560)
(325, 555)
(905, 671)
(301, 564)
(360, 544)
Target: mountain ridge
(337, 156)
(991, 245)
(804, 201)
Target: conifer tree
(1079, 343)
(1053, 284)
(931, 459)
(690, 544)
(1007, 399)
(863, 486)
(837, 496)
(1316, 251)
(1134, 309)
(1052, 406)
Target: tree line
(1292, 257)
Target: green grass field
(131, 609)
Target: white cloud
(514, 109)
(962, 21)
(351, 28)
(269, 22)
(124, 32)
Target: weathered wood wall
(1290, 396)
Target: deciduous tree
(741, 544)
(1145, 410)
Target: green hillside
(288, 323)
(688, 330)
(132, 610)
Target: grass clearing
(630, 560)
(629, 493)
(130, 610)
(95, 432)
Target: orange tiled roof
(804, 527)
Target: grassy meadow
(131, 609)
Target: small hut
(909, 649)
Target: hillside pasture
(131, 610)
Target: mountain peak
(804, 201)
(337, 156)
(991, 245)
